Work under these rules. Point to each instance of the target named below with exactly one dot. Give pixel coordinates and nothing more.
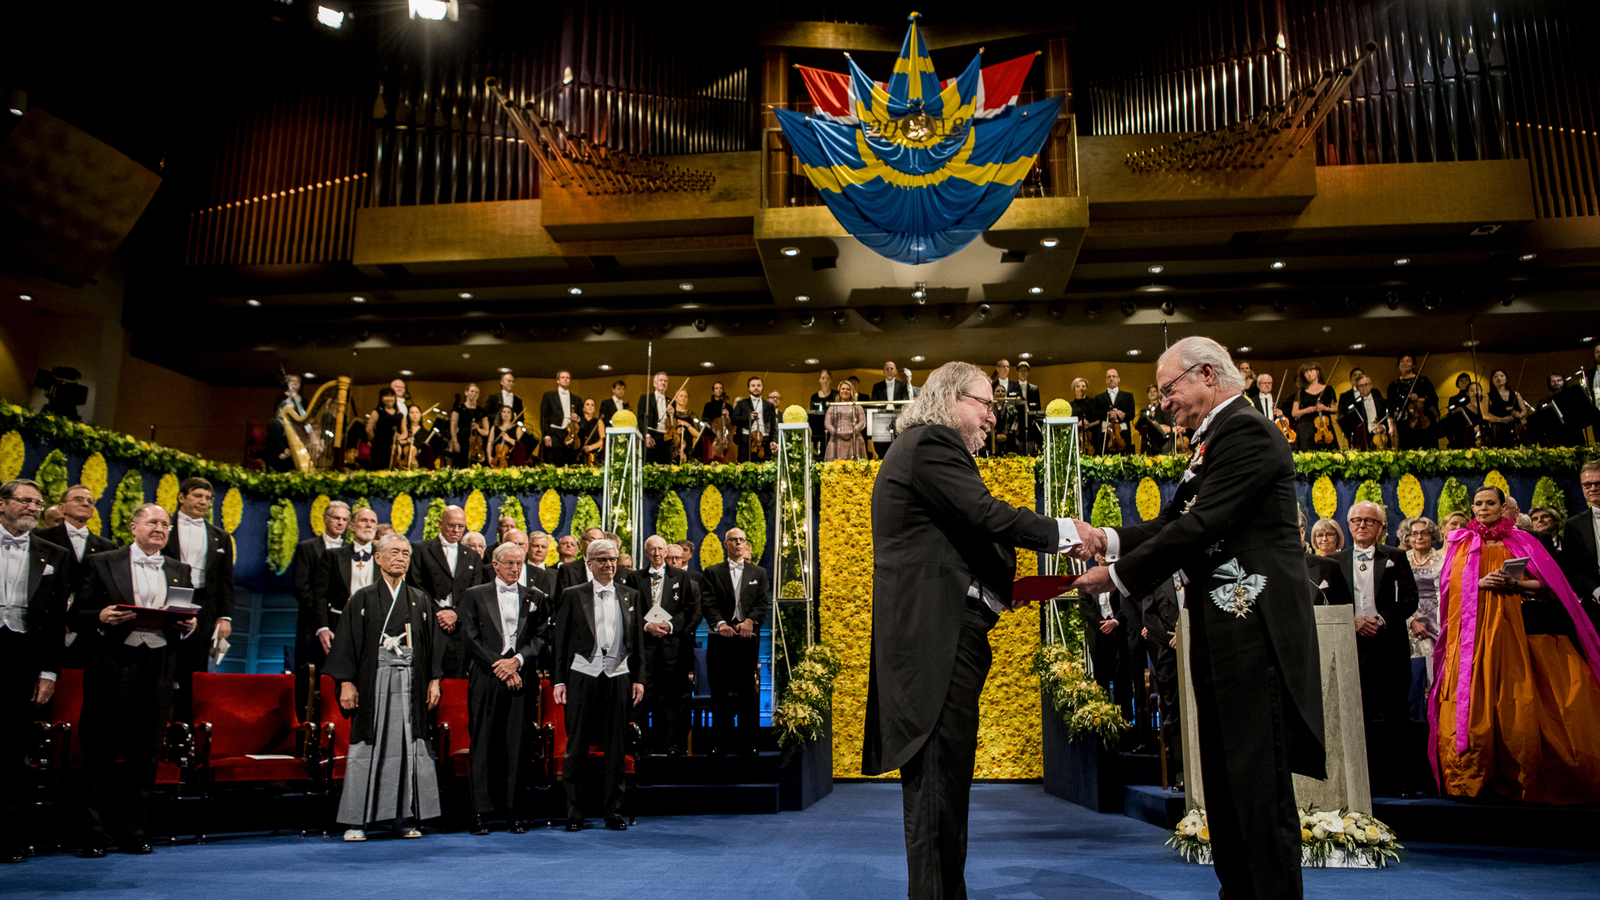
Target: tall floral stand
(623, 490)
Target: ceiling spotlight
(1157, 270)
(1036, 290)
(1588, 339)
(1129, 307)
(605, 367)
(313, 374)
(1024, 356)
(811, 362)
(686, 286)
(1403, 261)
(1203, 306)
(1278, 264)
(504, 371)
(1358, 346)
(983, 311)
(1528, 257)
(790, 251)
(1391, 300)
(1049, 242)
(358, 299)
(1508, 298)
(597, 326)
(1279, 305)
(465, 295)
(466, 356)
(405, 372)
(1020, 311)
(701, 324)
(251, 302)
(920, 358)
(705, 365)
(920, 292)
(1431, 300)
(1056, 309)
(947, 312)
(873, 314)
(1239, 306)
(434, 10)
(802, 298)
(839, 317)
(1135, 352)
(333, 18)
(1471, 343)
(911, 313)
(575, 291)
(807, 319)
(1244, 349)
(1168, 307)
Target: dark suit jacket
(679, 598)
(430, 570)
(716, 600)
(79, 568)
(47, 606)
(570, 575)
(216, 598)
(1158, 611)
(335, 574)
(1352, 414)
(109, 583)
(646, 411)
(551, 421)
(935, 529)
(744, 410)
(1125, 403)
(1324, 570)
(1394, 592)
(544, 578)
(1243, 508)
(354, 654)
(610, 407)
(493, 402)
(1577, 559)
(307, 564)
(573, 631)
(880, 391)
(484, 635)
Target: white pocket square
(1388, 564)
(48, 570)
(1323, 586)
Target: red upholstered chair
(553, 723)
(248, 733)
(452, 738)
(333, 733)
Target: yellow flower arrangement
(12, 452)
(794, 413)
(1148, 499)
(167, 493)
(625, 419)
(1323, 498)
(711, 507)
(1409, 490)
(477, 510)
(1058, 409)
(1008, 713)
(1495, 479)
(93, 475)
(232, 510)
(711, 550)
(402, 514)
(319, 506)
(550, 511)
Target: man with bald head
(576, 572)
(671, 603)
(737, 595)
(1385, 596)
(443, 568)
(1116, 410)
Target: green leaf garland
(586, 516)
(672, 520)
(511, 506)
(1547, 493)
(1370, 492)
(430, 523)
(52, 477)
(1107, 511)
(283, 532)
(130, 495)
(1452, 498)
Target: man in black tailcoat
(556, 409)
(1580, 543)
(35, 579)
(1115, 408)
(737, 596)
(666, 687)
(504, 626)
(753, 414)
(1384, 594)
(443, 568)
(313, 630)
(944, 558)
(1231, 528)
(208, 551)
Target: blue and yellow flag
(918, 168)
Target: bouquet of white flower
(1352, 838)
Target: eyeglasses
(27, 504)
(738, 540)
(605, 560)
(1166, 389)
(1371, 523)
(1587, 485)
(988, 404)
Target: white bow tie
(75, 531)
(152, 562)
(508, 588)
(184, 519)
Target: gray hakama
(391, 776)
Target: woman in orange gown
(1513, 714)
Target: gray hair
(1327, 525)
(535, 535)
(336, 504)
(383, 542)
(936, 404)
(8, 491)
(1382, 513)
(1193, 352)
(142, 510)
(597, 547)
(1425, 522)
(505, 549)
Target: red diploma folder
(154, 617)
(1039, 588)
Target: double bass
(722, 449)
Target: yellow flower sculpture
(1323, 498)
(477, 510)
(711, 550)
(93, 475)
(550, 512)
(318, 507)
(232, 510)
(12, 452)
(167, 493)
(711, 509)
(1058, 409)
(1495, 479)
(795, 414)
(1409, 490)
(1148, 499)
(625, 419)
(402, 514)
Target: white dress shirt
(1364, 580)
(758, 422)
(609, 658)
(507, 399)
(1066, 539)
(658, 583)
(1105, 606)
(1369, 404)
(149, 589)
(566, 404)
(329, 542)
(14, 581)
(736, 575)
(192, 538)
(660, 401)
(79, 538)
(361, 572)
(510, 598)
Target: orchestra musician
(1115, 410)
(688, 427)
(505, 439)
(886, 390)
(1414, 405)
(652, 421)
(1561, 418)
(1365, 417)
(469, 429)
(386, 426)
(817, 410)
(591, 435)
(1314, 402)
(1346, 398)
(1508, 413)
(557, 409)
(614, 403)
(1461, 421)
(1157, 427)
(844, 422)
(1086, 411)
(757, 424)
(505, 397)
(1251, 389)
(718, 408)
(1264, 400)
(278, 456)
(1032, 430)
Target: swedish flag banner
(916, 168)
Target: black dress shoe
(516, 826)
(615, 823)
(13, 855)
(140, 848)
(93, 851)
(574, 824)
(480, 825)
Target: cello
(1322, 423)
(722, 449)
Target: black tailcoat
(354, 654)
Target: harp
(316, 436)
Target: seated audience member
(1548, 524)
(1327, 538)
(599, 676)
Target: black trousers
(1241, 712)
(1164, 671)
(732, 667)
(661, 714)
(661, 453)
(127, 696)
(19, 675)
(1386, 712)
(936, 784)
(497, 718)
(1113, 665)
(597, 714)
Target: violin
(1287, 428)
(502, 450)
(1115, 442)
(722, 440)
(1182, 443)
(1324, 429)
(669, 427)
(573, 440)
(1085, 438)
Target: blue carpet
(1025, 844)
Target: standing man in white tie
(313, 635)
(1264, 400)
(886, 390)
(599, 674)
(652, 415)
(504, 625)
(208, 552)
(1385, 594)
(737, 596)
(77, 507)
(671, 603)
(443, 568)
(757, 422)
(556, 409)
(127, 687)
(1580, 542)
(35, 577)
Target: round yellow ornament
(167, 493)
(710, 551)
(1410, 493)
(402, 514)
(711, 511)
(319, 506)
(794, 414)
(11, 454)
(625, 419)
(1323, 498)
(477, 510)
(232, 511)
(1058, 409)
(1148, 499)
(550, 511)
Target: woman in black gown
(505, 439)
(468, 420)
(591, 435)
(1315, 399)
(1083, 408)
(1508, 412)
(385, 425)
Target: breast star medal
(1239, 590)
